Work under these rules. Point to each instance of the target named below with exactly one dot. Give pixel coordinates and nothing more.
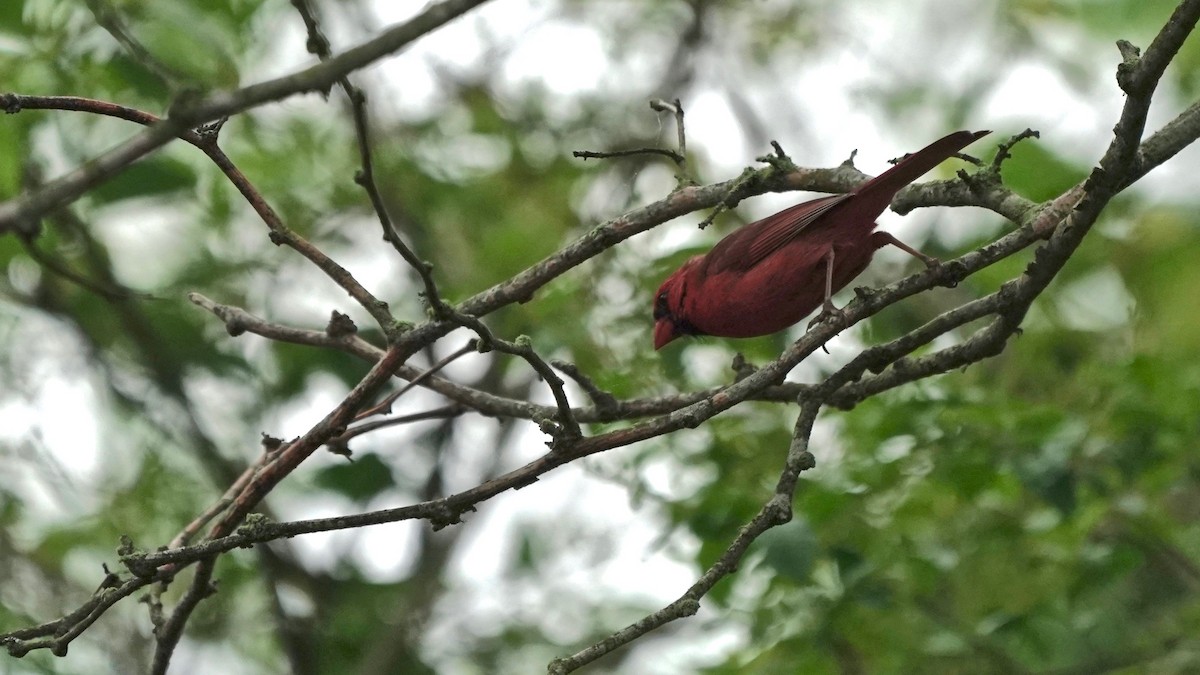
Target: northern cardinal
(771, 273)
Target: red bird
(771, 273)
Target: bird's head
(670, 315)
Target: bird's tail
(916, 164)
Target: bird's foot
(829, 313)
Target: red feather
(772, 273)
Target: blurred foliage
(1035, 513)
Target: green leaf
(11, 12)
(360, 480)
(791, 550)
(156, 176)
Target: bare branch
(167, 635)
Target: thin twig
(167, 636)
(443, 412)
(602, 400)
(108, 18)
(632, 152)
(567, 427)
(675, 108)
(385, 406)
(679, 156)
(318, 44)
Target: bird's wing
(751, 244)
(777, 230)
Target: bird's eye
(660, 306)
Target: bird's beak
(664, 332)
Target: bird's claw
(828, 313)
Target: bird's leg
(828, 310)
(881, 239)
